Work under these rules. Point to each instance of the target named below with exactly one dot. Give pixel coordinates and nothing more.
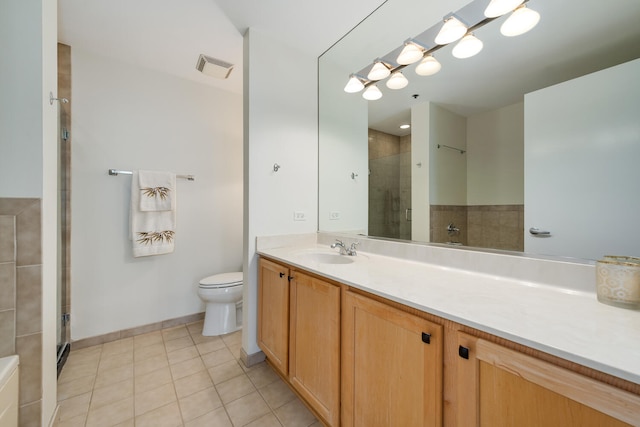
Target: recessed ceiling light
(405, 126)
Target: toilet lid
(223, 280)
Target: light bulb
(467, 47)
(410, 54)
(428, 66)
(372, 93)
(521, 20)
(451, 31)
(500, 7)
(397, 81)
(378, 72)
(354, 84)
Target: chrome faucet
(351, 251)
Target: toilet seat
(220, 281)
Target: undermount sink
(327, 258)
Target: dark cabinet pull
(290, 278)
(463, 352)
(426, 338)
(281, 275)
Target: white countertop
(564, 322)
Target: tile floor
(174, 377)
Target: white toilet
(222, 294)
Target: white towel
(152, 232)
(157, 190)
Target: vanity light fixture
(372, 93)
(521, 20)
(411, 53)
(469, 46)
(397, 81)
(501, 7)
(354, 84)
(428, 66)
(379, 71)
(452, 30)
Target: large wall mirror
(532, 145)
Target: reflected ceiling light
(405, 126)
(354, 84)
(469, 46)
(410, 53)
(428, 66)
(397, 81)
(501, 7)
(521, 20)
(379, 71)
(372, 93)
(451, 31)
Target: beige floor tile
(75, 387)
(195, 327)
(128, 423)
(183, 354)
(216, 418)
(277, 394)
(78, 421)
(178, 343)
(116, 347)
(225, 371)
(268, 420)
(192, 384)
(148, 351)
(247, 409)
(72, 370)
(232, 338)
(174, 333)
(186, 368)
(112, 414)
(115, 361)
(208, 346)
(236, 350)
(235, 388)
(147, 339)
(295, 414)
(199, 403)
(151, 364)
(85, 355)
(217, 357)
(165, 416)
(262, 375)
(111, 393)
(111, 376)
(73, 407)
(152, 380)
(155, 398)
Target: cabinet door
(314, 351)
(501, 387)
(392, 366)
(273, 313)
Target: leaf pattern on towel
(151, 237)
(162, 192)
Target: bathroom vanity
(377, 340)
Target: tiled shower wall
(389, 185)
(487, 226)
(21, 298)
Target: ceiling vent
(213, 67)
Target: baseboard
(251, 359)
(139, 330)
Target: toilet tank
(9, 391)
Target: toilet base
(220, 319)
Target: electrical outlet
(334, 215)
(299, 216)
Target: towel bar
(116, 172)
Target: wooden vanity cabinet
(391, 366)
(273, 313)
(498, 387)
(299, 332)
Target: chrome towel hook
(276, 167)
(51, 99)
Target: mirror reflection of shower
(389, 185)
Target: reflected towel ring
(276, 167)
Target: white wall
(126, 117)
(28, 145)
(495, 156)
(448, 168)
(280, 119)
